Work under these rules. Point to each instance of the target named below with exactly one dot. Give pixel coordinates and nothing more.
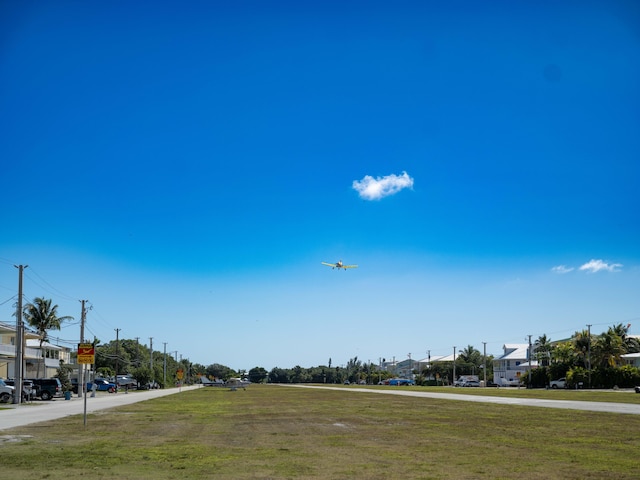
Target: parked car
(470, 383)
(101, 385)
(6, 392)
(47, 388)
(28, 389)
(401, 381)
(560, 383)
(125, 381)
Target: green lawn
(277, 432)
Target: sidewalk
(12, 416)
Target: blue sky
(187, 167)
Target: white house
(513, 364)
(51, 354)
(632, 359)
(31, 353)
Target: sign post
(180, 376)
(86, 355)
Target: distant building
(32, 354)
(512, 365)
(632, 359)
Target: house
(431, 362)
(632, 359)
(512, 365)
(31, 353)
(8, 350)
(52, 356)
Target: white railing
(10, 351)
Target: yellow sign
(86, 353)
(180, 374)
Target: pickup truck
(101, 385)
(6, 392)
(560, 383)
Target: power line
(53, 289)
(9, 299)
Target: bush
(63, 375)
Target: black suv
(47, 388)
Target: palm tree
(41, 316)
(543, 350)
(631, 344)
(581, 342)
(471, 359)
(608, 348)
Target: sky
(186, 167)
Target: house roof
(515, 351)
(36, 344)
(7, 328)
(435, 358)
(631, 355)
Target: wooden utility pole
(117, 354)
(164, 367)
(81, 382)
(19, 360)
(454, 366)
(530, 354)
(484, 362)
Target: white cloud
(594, 266)
(562, 269)
(371, 188)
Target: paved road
(40, 411)
(610, 407)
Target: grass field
(279, 432)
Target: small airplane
(232, 383)
(338, 265)
(208, 383)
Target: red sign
(86, 353)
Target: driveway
(41, 411)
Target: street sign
(86, 353)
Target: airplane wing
(349, 266)
(328, 264)
(208, 383)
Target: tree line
(587, 360)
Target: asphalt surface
(41, 411)
(608, 407)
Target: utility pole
(151, 359)
(454, 366)
(529, 384)
(81, 383)
(484, 362)
(19, 361)
(117, 355)
(589, 354)
(164, 366)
